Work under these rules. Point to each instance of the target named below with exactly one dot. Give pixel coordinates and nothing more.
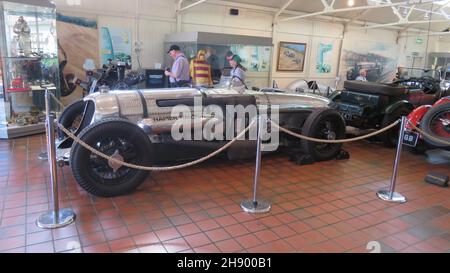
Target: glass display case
(255, 52)
(29, 65)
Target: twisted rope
(335, 141)
(145, 168)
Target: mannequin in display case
(23, 39)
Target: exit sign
(419, 40)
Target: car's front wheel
(390, 138)
(325, 124)
(119, 139)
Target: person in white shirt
(362, 75)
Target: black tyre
(374, 88)
(436, 122)
(390, 138)
(323, 124)
(68, 86)
(71, 118)
(116, 137)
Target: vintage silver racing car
(135, 126)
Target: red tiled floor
(217, 235)
(324, 207)
(176, 245)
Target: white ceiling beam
(405, 23)
(323, 18)
(426, 34)
(344, 10)
(410, 12)
(397, 13)
(327, 6)
(433, 11)
(362, 13)
(191, 5)
(180, 3)
(282, 9)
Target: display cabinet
(29, 65)
(256, 53)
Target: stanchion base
(258, 207)
(46, 221)
(396, 197)
(43, 156)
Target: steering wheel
(428, 84)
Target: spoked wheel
(120, 139)
(436, 123)
(325, 124)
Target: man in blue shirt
(179, 74)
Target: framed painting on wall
(291, 57)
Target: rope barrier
(428, 135)
(144, 168)
(57, 101)
(335, 141)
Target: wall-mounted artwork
(291, 57)
(324, 58)
(115, 44)
(378, 59)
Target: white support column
(179, 17)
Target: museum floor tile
(326, 207)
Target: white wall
(152, 19)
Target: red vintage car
(433, 120)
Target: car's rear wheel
(71, 118)
(390, 138)
(436, 122)
(323, 124)
(120, 139)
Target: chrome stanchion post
(56, 218)
(43, 155)
(390, 195)
(255, 205)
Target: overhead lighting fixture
(351, 3)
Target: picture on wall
(378, 59)
(324, 58)
(291, 56)
(77, 43)
(115, 44)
